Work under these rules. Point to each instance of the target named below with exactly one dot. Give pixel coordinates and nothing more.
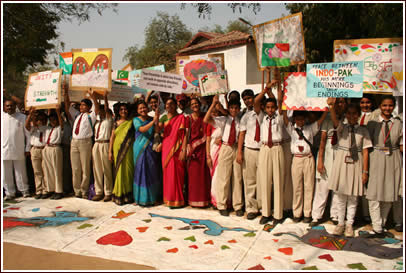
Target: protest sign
(295, 94)
(121, 93)
(43, 89)
(65, 62)
(121, 77)
(280, 42)
(213, 83)
(161, 81)
(397, 69)
(377, 56)
(135, 76)
(190, 67)
(339, 80)
(91, 68)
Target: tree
(231, 26)
(324, 23)
(205, 9)
(164, 36)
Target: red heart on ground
(4, 210)
(286, 250)
(193, 246)
(195, 222)
(257, 267)
(59, 207)
(268, 258)
(172, 250)
(168, 228)
(119, 238)
(301, 261)
(275, 240)
(232, 241)
(326, 257)
(208, 242)
(142, 229)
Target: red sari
(173, 168)
(198, 171)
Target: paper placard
(121, 93)
(213, 83)
(43, 90)
(135, 77)
(90, 49)
(339, 80)
(161, 81)
(397, 70)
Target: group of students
(259, 159)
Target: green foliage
(205, 9)
(324, 23)
(164, 36)
(231, 26)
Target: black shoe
(224, 212)
(264, 220)
(296, 219)
(335, 222)
(57, 196)
(239, 213)
(47, 195)
(252, 215)
(78, 195)
(307, 220)
(314, 223)
(38, 196)
(399, 227)
(278, 221)
(288, 213)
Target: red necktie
(257, 132)
(362, 120)
(270, 143)
(40, 137)
(78, 125)
(98, 130)
(231, 138)
(49, 137)
(334, 138)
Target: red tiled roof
(204, 35)
(222, 40)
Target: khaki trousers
(37, 166)
(102, 169)
(228, 175)
(287, 176)
(52, 161)
(270, 172)
(251, 187)
(81, 156)
(303, 185)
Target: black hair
(139, 103)
(388, 97)
(354, 106)
(171, 98)
(247, 93)
(234, 93)
(41, 115)
(299, 114)
(53, 115)
(200, 103)
(234, 102)
(8, 99)
(152, 97)
(88, 102)
(271, 100)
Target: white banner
(161, 81)
(43, 89)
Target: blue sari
(147, 187)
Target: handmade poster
(121, 93)
(135, 76)
(161, 81)
(295, 94)
(280, 42)
(65, 62)
(190, 67)
(397, 69)
(43, 89)
(377, 55)
(213, 83)
(91, 68)
(338, 80)
(121, 77)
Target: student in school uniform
(81, 145)
(53, 156)
(350, 172)
(229, 171)
(270, 159)
(102, 167)
(250, 140)
(37, 146)
(303, 169)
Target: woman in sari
(120, 152)
(173, 155)
(198, 171)
(147, 174)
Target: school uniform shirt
(15, 137)
(86, 123)
(248, 123)
(53, 135)
(38, 136)
(276, 121)
(297, 145)
(224, 122)
(102, 129)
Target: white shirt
(105, 126)
(86, 124)
(277, 127)
(15, 137)
(225, 123)
(36, 136)
(56, 135)
(299, 146)
(248, 123)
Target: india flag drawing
(65, 62)
(275, 54)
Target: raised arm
(28, 119)
(106, 106)
(321, 119)
(155, 121)
(208, 118)
(258, 100)
(67, 102)
(331, 102)
(95, 101)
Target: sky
(126, 27)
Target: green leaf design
(163, 239)
(250, 234)
(359, 266)
(191, 238)
(147, 220)
(85, 226)
(223, 247)
(310, 268)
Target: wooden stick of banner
(263, 76)
(269, 74)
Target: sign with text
(213, 83)
(338, 80)
(135, 77)
(43, 89)
(121, 93)
(161, 81)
